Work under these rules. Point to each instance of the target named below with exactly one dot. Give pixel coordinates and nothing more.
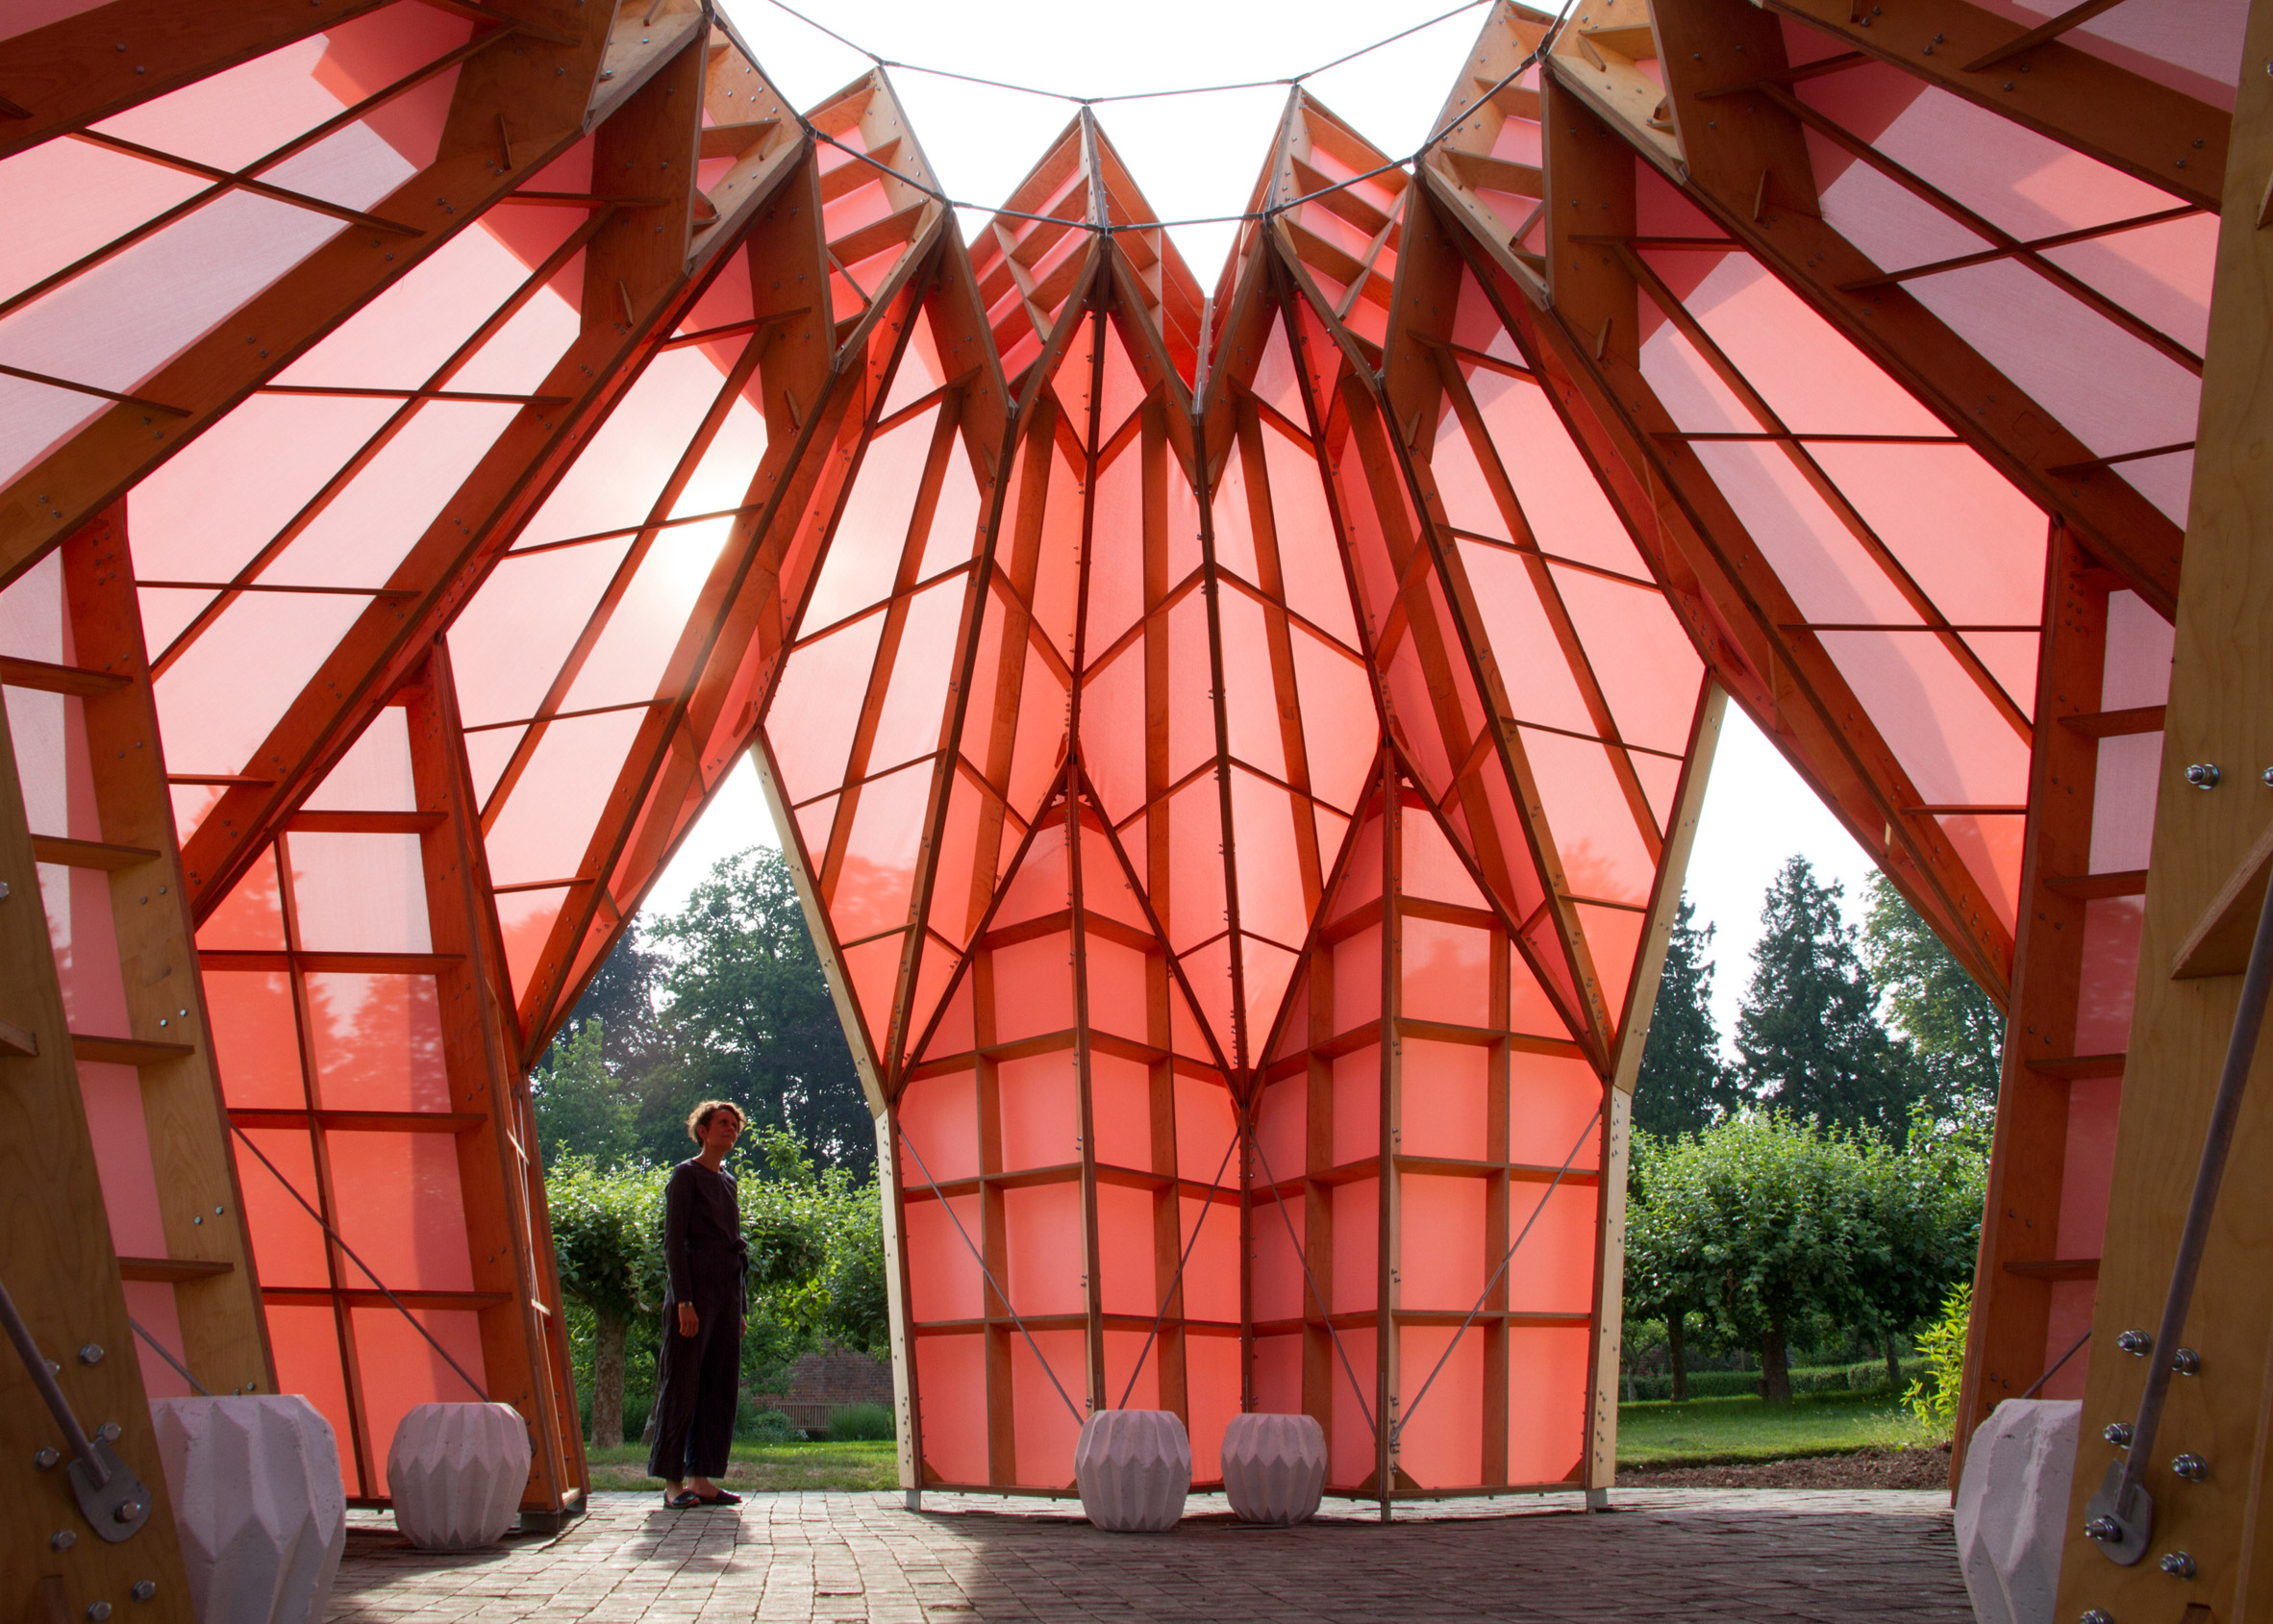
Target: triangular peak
(1604, 57)
(1031, 256)
(1338, 200)
(1158, 282)
(1488, 162)
(881, 204)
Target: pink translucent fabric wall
(320, 976)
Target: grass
(768, 1467)
(1705, 1431)
(1701, 1431)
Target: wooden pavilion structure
(1238, 748)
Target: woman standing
(703, 1311)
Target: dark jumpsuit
(705, 1257)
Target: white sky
(1199, 155)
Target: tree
(1955, 1032)
(1666, 1275)
(1925, 1204)
(582, 1108)
(1782, 1212)
(1683, 1082)
(608, 1240)
(748, 1017)
(1808, 1028)
(622, 994)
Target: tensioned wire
(1422, 151)
(882, 60)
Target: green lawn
(1701, 1431)
(1705, 1431)
(768, 1467)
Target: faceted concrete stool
(2013, 1507)
(455, 1473)
(254, 1482)
(1135, 1468)
(1274, 1466)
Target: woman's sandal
(686, 1500)
(724, 1497)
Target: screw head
(2096, 1615)
(2135, 1343)
(144, 1589)
(2203, 775)
(91, 1354)
(2267, 778)
(2178, 1564)
(45, 1460)
(2187, 1362)
(2118, 1433)
(129, 1510)
(2103, 1528)
(100, 1611)
(108, 1431)
(61, 1539)
(2191, 1467)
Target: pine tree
(1808, 1029)
(1684, 1083)
(1957, 1034)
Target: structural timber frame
(1238, 749)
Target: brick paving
(1853, 1557)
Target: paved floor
(1685, 1554)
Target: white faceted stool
(456, 1472)
(2013, 1507)
(1134, 1468)
(258, 1503)
(1274, 1466)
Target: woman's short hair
(698, 1121)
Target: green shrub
(753, 1425)
(1943, 1347)
(862, 1421)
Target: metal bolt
(2178, 1564)
(91, 1354)
(2189, 1466)
(144, 1589)
(2118, 1433)
(45, 1460)
(100, 1611)
(62, 1539)
(2096, 1615)
(2135, 1343)
(129, 1510)
(2186, 1362)
(2203, 775)
(2265, 778)
(2103, 1528)
(108, 1431)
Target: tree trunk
(1676, 1346)
(1775, 1370)
(608, 1333)
(1893, 1365)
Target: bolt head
(100, 1611)
(2118, 1433)
(45, 1460)
(2096, 1615)
(129, 1510)
(2103, 1528)
(2191, 1467)
(2203, 775)
(2187, 1362)
(2178, 1564)
(144, 1589)
(61, 1539)
(91, 1354)
(2135, 1343)
(108, 1431)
